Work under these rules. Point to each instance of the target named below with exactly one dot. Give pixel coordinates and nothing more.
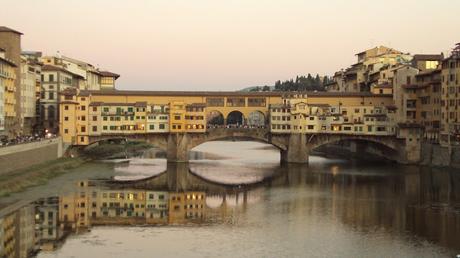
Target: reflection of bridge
(294, 148)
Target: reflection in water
(344, 209)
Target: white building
(30, 76)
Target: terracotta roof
(409, 125)
(319, 105)
(95, 104)
(140, 104)
(6, 29)
(391, 107)
(424, 57)
(8, 62)
(69, 91)
(410, 86)
(116, 104)
(60, 69)
(428, 72)
(230, 93)
(109, 74)
(196, 105)
(375, 115)
(383, 85)
(68, 102)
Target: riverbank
(20, 180)
(116, 150)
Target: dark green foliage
(302, 83)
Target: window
(94, 128)
(66, 118)
(51, 95)
(83, 129)
(83, 118)
(176, 117)
(94, 108)
(152, 127)
(51, 77)
(83, 108)
(94, 118)
(162, 126)
(66, 131)
(104, 128)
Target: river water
(235, 200)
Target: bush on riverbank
(116, 150)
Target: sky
(231, 44)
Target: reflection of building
(8, 231)
(17, 233)
(186, 207)
(156, 207)
(28, 242)
(47, 222)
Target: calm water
(235, 200)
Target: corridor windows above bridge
(256, 102)
(215, 102)
(236, 102)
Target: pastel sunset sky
(227, 45)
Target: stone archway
(215, 118)
(256, 119)
(235, 118)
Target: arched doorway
(235, 118)
(215, 118)
(256, 119)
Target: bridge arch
(215, 118)
(257, 118)
(388, 147)
(235, 118)
(258, 135)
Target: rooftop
(60, 69)
(8, 61)
(109, 74)
(6, 29)
(230, 93)
(429, 57)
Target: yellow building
(186, 207)
(348, 115)
(7, 95)
(86, 114)
(108, 80)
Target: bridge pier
(178, 147)
(297, 150)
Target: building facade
(7, 95)
(10, 42)
(450, 100)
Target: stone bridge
(294, 148)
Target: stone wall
(25, 155)
(439, 156)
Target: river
(234, 199)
